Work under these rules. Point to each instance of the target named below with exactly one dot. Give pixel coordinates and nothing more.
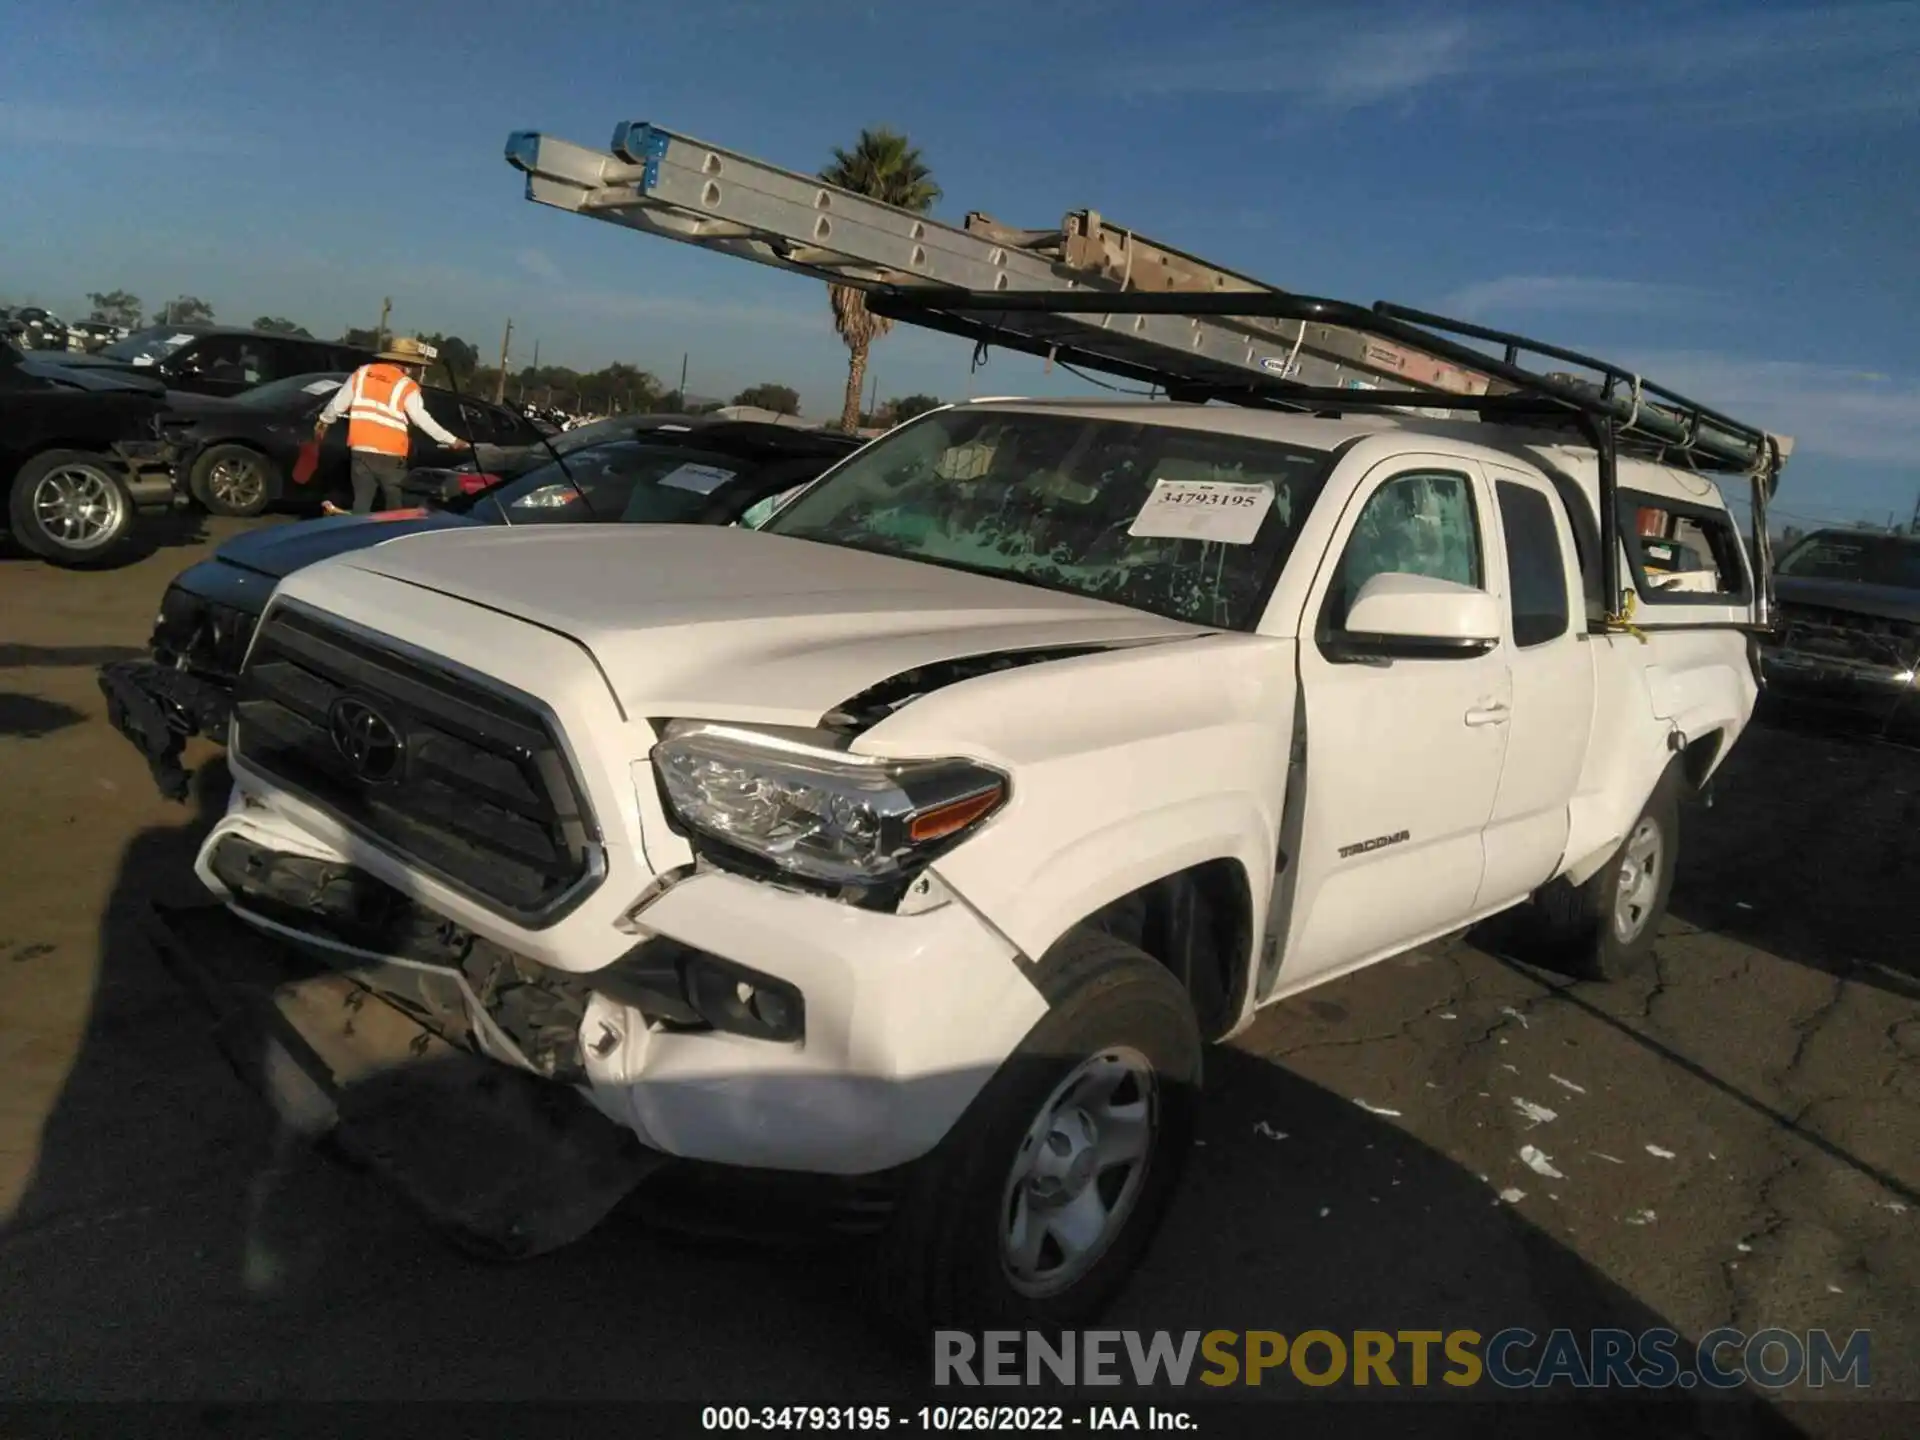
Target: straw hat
(405, 350)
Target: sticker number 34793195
(1219, 510)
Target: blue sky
(1724, 195)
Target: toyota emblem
(366, 740)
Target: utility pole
(500, 385)
(536, 354)
(380, 330)
(683, 380)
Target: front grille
(206, 638)
(476, 790)
(1849, 637)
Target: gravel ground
(1735, 1137)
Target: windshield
(147, 347)
(289, 392)
(1187, 523)
(1862, 559)
(627, 481)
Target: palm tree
(881, 166)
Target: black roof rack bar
(1614, 373)
(1708, 437)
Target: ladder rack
(1100, 295)
(663, 183)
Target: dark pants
(372, 471)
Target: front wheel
(70, 507)
(1038, 1205)
(234, 480)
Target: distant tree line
(613, 388)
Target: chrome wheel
(237, 482)
(1079, 1171)
(79, 507)
(1639, 886)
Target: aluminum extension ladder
(662, 183)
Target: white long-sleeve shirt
(414, 407)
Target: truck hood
(281, 549)
(1883, 602)
(720, 622)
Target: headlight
(794, 800)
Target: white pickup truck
(929, 831)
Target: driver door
(1403, 750)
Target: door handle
(1494, 714)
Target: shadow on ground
(1813, 835)
(170, 1246)
(28, 717)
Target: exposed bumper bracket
(159, 709)
(506, 1163)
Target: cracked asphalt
(1447, 1139)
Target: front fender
(1034, 905)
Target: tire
(235, 480)
(71, 507)
(1586, 930)
(949, 1257)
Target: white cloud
(1560, 63)
(96, 127)
(1836, 411)
(1560, 294)
(539, 264)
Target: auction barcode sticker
(1219, 510)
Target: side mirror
(1413, 616)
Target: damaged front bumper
(159, 708)
(503, 1162)
(733, 1023)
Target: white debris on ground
(1894, 1205)
(1514, 1014)
(1376, 1109)
(1515, 1069)
(1610, 1159)
(1641, 1217)
(1566, 1084)
(1743, 1247)
(1538, 1114)
(1260, 1127)
(1835, 1290)
(1658, 1153)
(1325, 1210)
(1448, 1015)
(1513, 1196)
(1538, 1162)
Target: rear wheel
(1038, 1205)
(234, 480)
(1604, 929)
(71, 507)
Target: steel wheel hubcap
(1079, 1171)
(78, 506)
(237, 482)
(1639, 881)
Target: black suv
(217, 359)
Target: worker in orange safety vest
(381, 402)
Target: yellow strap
(1621, 622)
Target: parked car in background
(80, 457)
(92, 335)
(1846, 643)
(237, 452)
(32, 328)
(220, 359)
(430, 484)
(681, 475)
